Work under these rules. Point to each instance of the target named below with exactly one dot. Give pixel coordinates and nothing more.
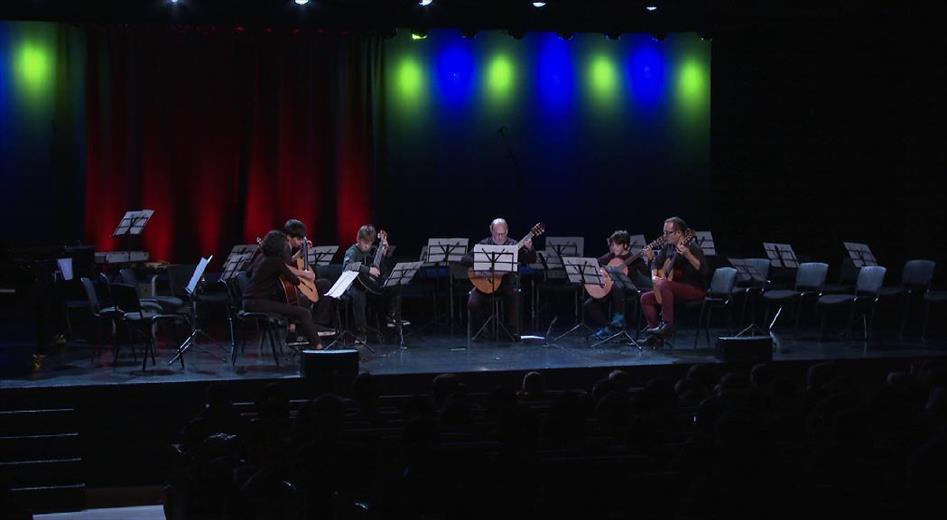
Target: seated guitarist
(619, 246)
(357, 257)
(265, 273)
(690, 270)
(322, 311)
(478, 303)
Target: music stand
(237, 260)
(133, 222)
(621, 283)
(490, 260)
(860, 254)
(748, 271)
(194, 285)
(322, 255)
(781, 255)
(440, 253)
(401, 275)
(581, 271)
(338, 289)
(705, 240)
(636, 243)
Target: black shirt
(264, 278)
(687, 273)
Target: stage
(84, 365)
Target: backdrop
(226, 132)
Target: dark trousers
(595, 308)
(479, 303)
(390, 298)
(323, 310)
(671, 293)
(299, 315)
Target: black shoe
(667, 330)
(655, 330)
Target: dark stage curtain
(226, 133)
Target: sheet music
(437, 247)
(506, 257)
(566, 246)
(705, 240)
(860, 253)
(583, 270)
(780, 255)
(198, 274)
(402, 273)
(342, 284)
(321, 255)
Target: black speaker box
(328, 371)
(744, 349)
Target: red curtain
(227, 133)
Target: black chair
(268, 325)
(100, 309)
(916, 278)
(867, 290)
(136, 314)
(931, 298)
(169, 304)
(848, 276)
(719, 296)
(810, 278)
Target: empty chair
(810, 278)
(136, 314)
(867, 289)
(916, 278)
(719, 295)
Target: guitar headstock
(538, 229)
(689, 236)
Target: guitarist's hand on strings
(374, 271)
(683, 249)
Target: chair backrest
(811, 275)
(848, 273)
(243, 281)
(128, 276)
(723, 281)
(90, 294)
(761, 265)
(918, 273)
(870, 279)
(125, 297)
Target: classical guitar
(291, 292)
(488, 283)
(600, 291)
(372, 284)
(306, 288)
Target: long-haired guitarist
(322, 310)
(679, 271)
(265, 282)
(359, 257)
(619, 247)
(478, 302)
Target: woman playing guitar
(679, 271)
(265, 275)
(619, 256)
